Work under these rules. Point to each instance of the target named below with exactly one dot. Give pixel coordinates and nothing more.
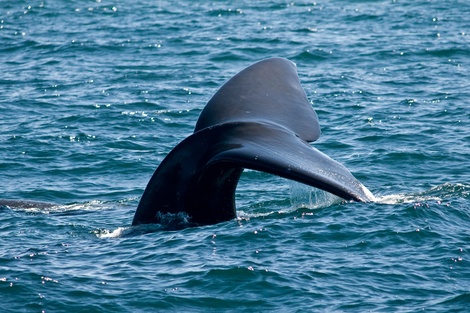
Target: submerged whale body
(261, 120)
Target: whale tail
(260, 119)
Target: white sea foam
(118, 232)
(405, 198)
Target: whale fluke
(260, 119)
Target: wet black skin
(260, 119)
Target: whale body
(260, 119)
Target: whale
(260, 119)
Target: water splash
(303, 196)
(118, 232)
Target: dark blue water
(94, 94)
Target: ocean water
(94, 94)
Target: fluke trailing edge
(260, 120)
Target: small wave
(403, 198)
(456, 301)
(312, 55)
(243, 215)
(437, 193)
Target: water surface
(93, 95)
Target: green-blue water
(94, 94)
